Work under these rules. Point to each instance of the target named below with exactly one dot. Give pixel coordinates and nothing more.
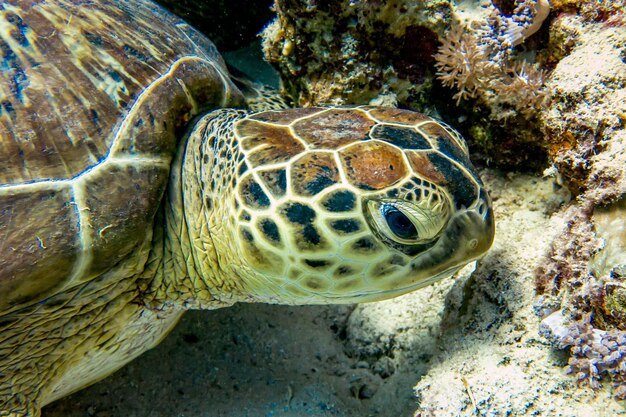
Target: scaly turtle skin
(114, 221)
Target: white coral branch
(519, 34)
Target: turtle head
(350, 204)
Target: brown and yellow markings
(269, 230)
(345, 226)
(313, 172)
(339, 201)
(352, 285)
(404, 137)
(366, 245)
(300, 221)
(345, 271)
(267, 144)
(440, 169)
(275, 180)
(286, 118)
(423, 166)
(334, 128)
(252, 194)
(315, 283)
(262, 259)
(318, 265)
(444, 142)
(373, 165)
(396, 116)
(383, 269)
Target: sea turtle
(120, 207)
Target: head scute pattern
(339, 202)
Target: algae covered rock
(346, 52)
(584, 121)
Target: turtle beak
(467, 236)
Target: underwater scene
(389, 208)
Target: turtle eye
(398, 222)
(405, 222)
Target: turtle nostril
(482, 208)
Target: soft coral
(461, 63)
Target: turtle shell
(93, 96)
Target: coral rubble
(584, 121)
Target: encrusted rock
(346, 52)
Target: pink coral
(461, 63)
(522, 87)
(479, 63)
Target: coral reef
(464, 65)
(583, 274)
(390, 52)
(350, 52)
(585, 118)
(593, 10)
(588, 264)
(507, 88)
(583, 284)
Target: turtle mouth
(384, 294)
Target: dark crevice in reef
(229, 24)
